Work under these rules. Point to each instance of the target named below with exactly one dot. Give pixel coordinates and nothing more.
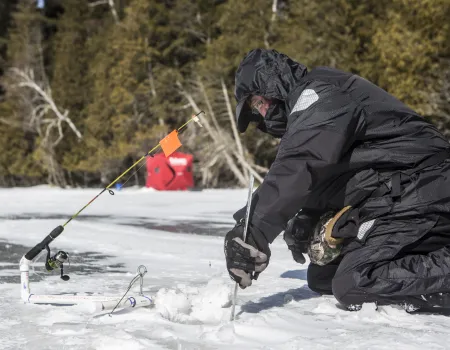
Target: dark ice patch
(198, 227)
(82, 263)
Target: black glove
(245, 260)
(297, 234)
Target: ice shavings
(188, 304)
(172, 304)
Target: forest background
(87, 87)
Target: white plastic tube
(100, 302)
(24, 278)
(69, 299)
(133, 302)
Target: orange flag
(170, 143)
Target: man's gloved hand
(245, 259)
(297, 233)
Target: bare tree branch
(237, 139)
(113, 10)
(151, 80)
(274, 10)
(36, 110)
(222, 141)
(208, 104)
(58, 140)
(111, 7)
(272, 20)
(199, 35)
(215, 137)
(96, 3)
(27, 81)
(261, 169)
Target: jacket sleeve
(308, 155)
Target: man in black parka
(345, 143)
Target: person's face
(259, 105)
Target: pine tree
(243, 26)
(408, 51)
(6, 10)
(135, 97)
(123, 73)
(24, 51)
(72, 51)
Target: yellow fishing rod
(169, 144)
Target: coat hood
(265, 73)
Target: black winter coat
(342, 140)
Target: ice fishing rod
(169, 144)
(247, 218)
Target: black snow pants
(380, 272)
(405, 253)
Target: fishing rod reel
(57, 261)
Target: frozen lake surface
(178, 236)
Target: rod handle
(41, 246)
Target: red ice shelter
(171, 173)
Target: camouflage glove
(297, 234)
(323, 248)
(245, 259)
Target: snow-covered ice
(178, 236)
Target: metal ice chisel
(247, 215)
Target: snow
(178, 236)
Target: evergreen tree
(122, 73)
(24, 51)
(407, 51)
(135, 97)
(243, 26)
(6, 10)
(70, 84)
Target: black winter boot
(436, 300)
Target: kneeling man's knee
(320, 277)
(344, 289)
